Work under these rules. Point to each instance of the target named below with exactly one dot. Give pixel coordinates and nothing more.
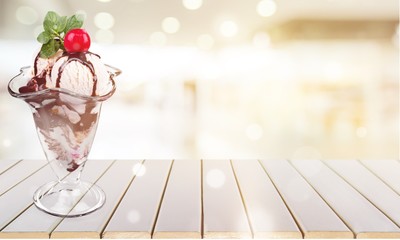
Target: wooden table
(214, 199)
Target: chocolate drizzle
(38, 82)
(81, 58)
(35, 71)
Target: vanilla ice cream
(82, 73)
(44, 65)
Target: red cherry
(77, 40)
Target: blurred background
(225, 78)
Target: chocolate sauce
(35, 71)
(38, 82)
(81, 58)
(52, 114)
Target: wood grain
(315, 218)
(19, 198)
(18, 173)
(387, 170)
(213, 199)
(5, 164)
(34, 223)
(114, 183)
(364, 219)
(180, 212)
(268, 214)
(136, 214)
(369, 186)
(224, 213)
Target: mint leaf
(75, 21)
(50, 48)
(50, 21)
(62, 23)
(44, 37)
(55, 28)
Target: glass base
(69, 200)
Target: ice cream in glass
(65, 88)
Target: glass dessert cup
(66, 124)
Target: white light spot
(170, 25)
(215, 178)
(334, 71)
(261, 40)
(26, 15)
(81, 12)
(361, 132)
(254, 132)
(192, 4)
(306, 152)
(228, 29)
(139, 169)
(314, 167)
(205, 42)
(266, 8)
(104, 20)
(104, 36)
(7, 143)
(104, 1)
(133, 216)
(158, 39)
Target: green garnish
(55, 28)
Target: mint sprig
(55, 28)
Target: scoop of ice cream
(82, 73)
(45, 64)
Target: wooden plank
(361, 216)
(180, 212)
(387, 170)
(20, 197)
(34, 223)
(369, 186)
(315, 218)
(136, 215)
(5, 164)
(18, 173)
(114, 183)
(224, 213)
(268, 214)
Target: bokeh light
(254, 132)
(261, 40)
(82, 12)
(266, 8)
(215, 178)
(7, 143)
(104, 36)
(133, 216)
(228, 29)
(158, 39)
(104, 20)
(192, 4)
(170, 25)
(139, 169)
(306, 152)
(205, 42)
(361, 132)
(26, 15)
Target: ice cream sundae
(65, 87)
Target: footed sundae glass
(66, 124)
